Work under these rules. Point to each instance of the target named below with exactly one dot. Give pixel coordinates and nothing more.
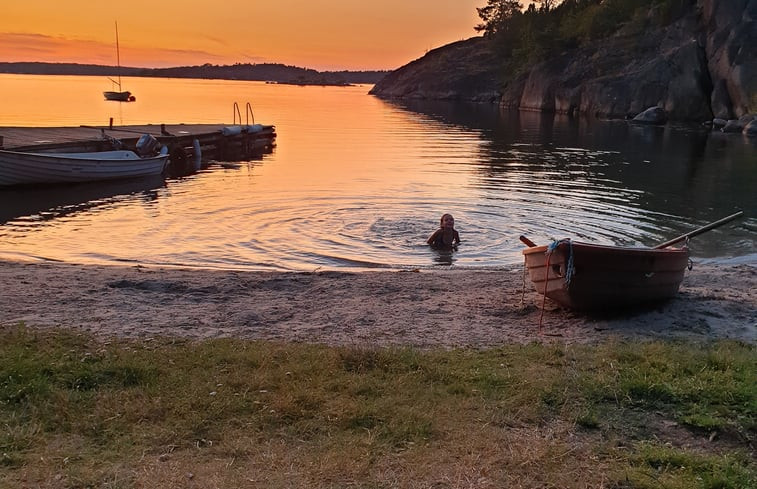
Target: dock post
(111, 123)
(222, 144)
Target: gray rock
(730, 28)
(751, 129)
(733, 125)
(653, 115)
(461, 71)
(718, 122)
(721, 101)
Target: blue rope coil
(569, 268)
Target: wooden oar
(116, 129)
(527, 241)
(699, 231)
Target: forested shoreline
(243, 71)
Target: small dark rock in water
(751, 128)
(733, 125)
(741, 124)
(717, 122)
(653, 115)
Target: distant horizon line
(192, 66)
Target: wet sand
(428, 308)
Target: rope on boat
(569, 268)
(690, 265)
(544, 295)
(523, 288)
(569, 271)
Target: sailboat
(118, 96)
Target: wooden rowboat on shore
(588, 276)
(593, 277)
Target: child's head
(447, 221)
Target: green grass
(78, 412)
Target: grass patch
(79, 412)
(654, 465)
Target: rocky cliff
(465, 70)
(700, 67)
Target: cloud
(21, 47)
(16, 46)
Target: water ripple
(357, 183)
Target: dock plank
(16, 136)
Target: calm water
(356, 182)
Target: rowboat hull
(20, 168)
(595, 277)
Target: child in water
(446, 237)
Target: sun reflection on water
(360, 183)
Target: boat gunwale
(613, 248)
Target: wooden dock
(217, 141)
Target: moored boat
(587, 276)
(120, 95)
(24, 168)
(125, 96)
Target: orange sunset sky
(320, 34)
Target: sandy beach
(428, 308)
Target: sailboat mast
(118, 57)
(120, 95)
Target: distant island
(270, 72)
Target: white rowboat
(21, 168)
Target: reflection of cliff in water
(674, 170)
(47, 202)
(473, 116)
